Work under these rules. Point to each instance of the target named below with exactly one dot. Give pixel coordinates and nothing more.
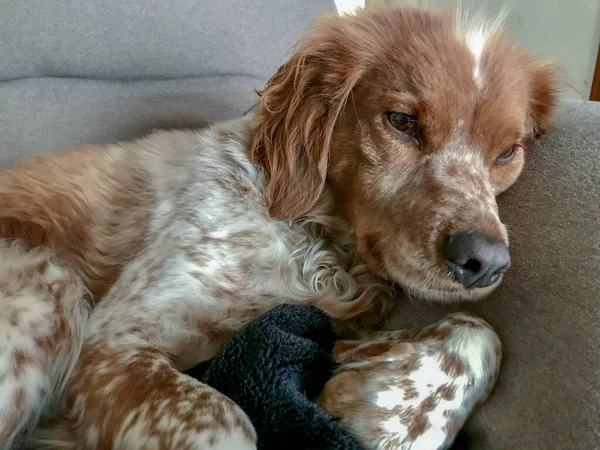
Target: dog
(374, 157)
(413, 389)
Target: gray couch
(95, 71)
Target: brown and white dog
(374, 155)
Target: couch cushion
(124, 39)
(51, 113)
(97, 71)
(547, 311)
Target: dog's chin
(442, 290)
(452, 293)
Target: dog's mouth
(430, 279)
(454, 294)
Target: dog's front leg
(413, 388)
(127, 391)
(127, 395)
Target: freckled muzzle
(474, 244)
(450, 243)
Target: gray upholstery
(93, 71)
(53, 113)
(133, 40)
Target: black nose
(475, 259)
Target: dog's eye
(508, 155)
(403, 123)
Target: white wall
(567, 31)
(348, 6)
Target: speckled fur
(43, 311)
(202, 274)
(183, 237)
(413, 389)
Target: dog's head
(414, 121)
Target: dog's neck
(323, 263)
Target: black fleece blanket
(274, 369)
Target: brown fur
(299, 109)
(89, 204)
(322, 136)
(321, 125)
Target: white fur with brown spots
(314, 197)
(43, 312)
(414, 389)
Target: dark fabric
(274, 368)
(547, 310)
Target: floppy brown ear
(297, 112)
(544, 96)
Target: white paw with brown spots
(414, 389)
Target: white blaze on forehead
(476, 42)
(476, 31)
